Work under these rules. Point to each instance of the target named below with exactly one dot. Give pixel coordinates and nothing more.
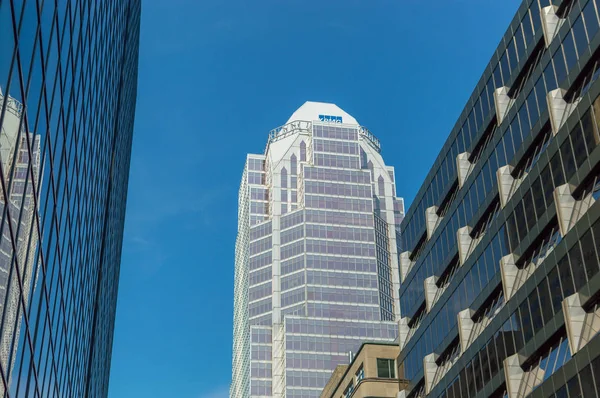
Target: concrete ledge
(510, 275)
(405, 264)
(429, 370)
(507, 184)
(431, 290)
(551, 23)
(403, 331)
(431, 220)
(568, 209)
(464, 240)
(581, 326)
(463, 167)
(518, 382)
(502, 103)
(465, 328)
(558, 108)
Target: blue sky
(215, 77)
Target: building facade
(500, 264)
(316, 269)
(371, 373)
(68, 77)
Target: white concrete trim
(518, 382)
(431, 220)
(431, 290)
(465, 328)
(429, 370)
(581, 326)
(558, 108)
(403, 331)
(502, 103)
(551, 23)
(568, 209)
(463, 167)
(402, 394)
(464, 240)
(510, 275)
(507, 184)
(575, 319)
(405, 264)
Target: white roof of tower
(311, 111)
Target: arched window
(370, 167)
(363, 159)
(284, 178)
(381, 186)
(302, 151)
(293, 167)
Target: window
(385, 368)
(360, 374)
(349, 389)
(303, 151)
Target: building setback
(68, 84)
(316, 266)
(500, 264)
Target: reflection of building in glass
(316, 255)
(20, 173)
(68, 72)
(500, 269)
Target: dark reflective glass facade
(68, 78)
(514, 192)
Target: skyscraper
(68, 77)
(316, 262)
(500, 280)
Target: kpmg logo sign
(330, 119)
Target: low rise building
(372, 372)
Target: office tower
(14, 150)
(68, 77)
(500, 263)
(316, 262)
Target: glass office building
(500, 281)
(68, 77)
(316, 262)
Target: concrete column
(431, 220)
(405, 264)
(568, 209)
(518, 382)
(402, 394)
(464, 240)
(429, 370)
(278, 333)
(403, 331)
(463, 167)
(551, 23)
(510, 275)
(431, 290)
(502, 103)
(465, 328)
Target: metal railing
(305, 126)
(12, 105)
